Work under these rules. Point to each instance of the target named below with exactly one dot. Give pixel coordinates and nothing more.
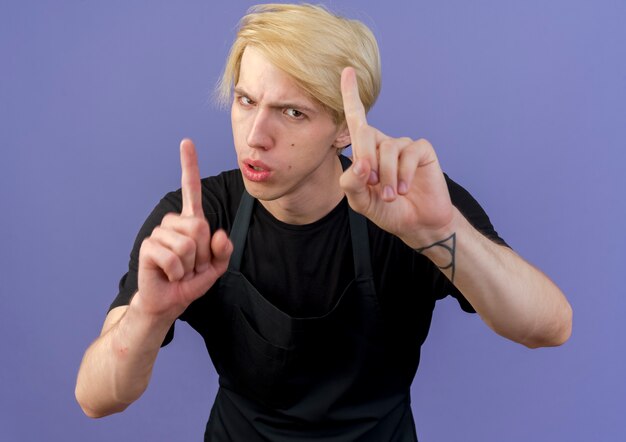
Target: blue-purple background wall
(525, 103)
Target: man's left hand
(395, 182)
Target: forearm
(514, 298)
(116, 368)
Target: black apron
(337, 377)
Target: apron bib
(284, 378)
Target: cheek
(238, 125)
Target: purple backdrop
(525, 103)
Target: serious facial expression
(283, 138)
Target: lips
(256, 164)
(255, 170)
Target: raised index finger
(190, 180)
(362, 136)
(352, 105)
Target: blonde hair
(312, 45)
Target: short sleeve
(477, 217)
(128, 282)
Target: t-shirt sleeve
(128, 282)
(477, 217)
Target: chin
(260, 191)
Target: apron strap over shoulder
(239, 230)
(359, 236)
(360, 245)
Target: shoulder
(220, 198)
(222, 193)
(226, 185)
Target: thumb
(354, 183)
(221, 248)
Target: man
(311, 277)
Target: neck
(308, 206)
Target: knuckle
(169, 218)
(199, 227)
(170, 262)
(412, 148)
(186, 246)
(146, 245)
(389, 144)
(423, 142)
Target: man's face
(283, 139)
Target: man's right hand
(181, 259)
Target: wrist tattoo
(449, 244)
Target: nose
(260, 131)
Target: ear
(343, 137)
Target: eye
(294, 113)
(245, 101)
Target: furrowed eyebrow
(240, 91)
(299, 106)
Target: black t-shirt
(302, 269)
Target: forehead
(265, 82)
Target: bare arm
(513, 297)
(398, 184)
(116, 368)
(178, 263)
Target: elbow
(93, 411)
(555, 333)
(83, 403)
